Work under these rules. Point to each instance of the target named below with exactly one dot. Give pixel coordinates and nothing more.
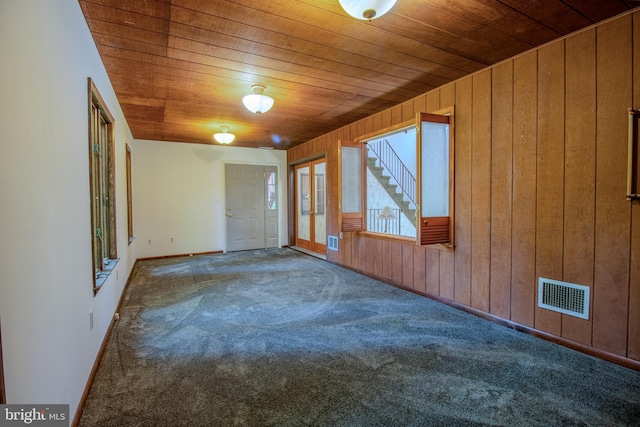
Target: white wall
(45, 245)
(179, 192)
(47, 54)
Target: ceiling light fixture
(367, 10)
(224, 137)
(257, 102)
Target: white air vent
(563, 297)
(333, 243)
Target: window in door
(320, 194)
(305, 193)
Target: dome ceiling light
(367, 10)
(257, 102)
(224, 137)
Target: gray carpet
(278, 338)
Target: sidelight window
(271, 191)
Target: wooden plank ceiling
(181, 67)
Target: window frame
(633, 156)
(375, 136)
(131, 238)
(101, 144)
(350, 222)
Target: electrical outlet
(149, 242)
(172, 240)
(91, 319)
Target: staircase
(391, 189)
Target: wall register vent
(567, 298)
(333, 243)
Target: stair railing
(389, 225)
(397, 169)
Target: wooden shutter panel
(434, 230)
(352, 220)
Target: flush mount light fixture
(367, 10)
(224, 137)
(257, 102)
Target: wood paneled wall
(541, 147)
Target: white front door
(251, 207)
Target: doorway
(310, 206)
(251, 207)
